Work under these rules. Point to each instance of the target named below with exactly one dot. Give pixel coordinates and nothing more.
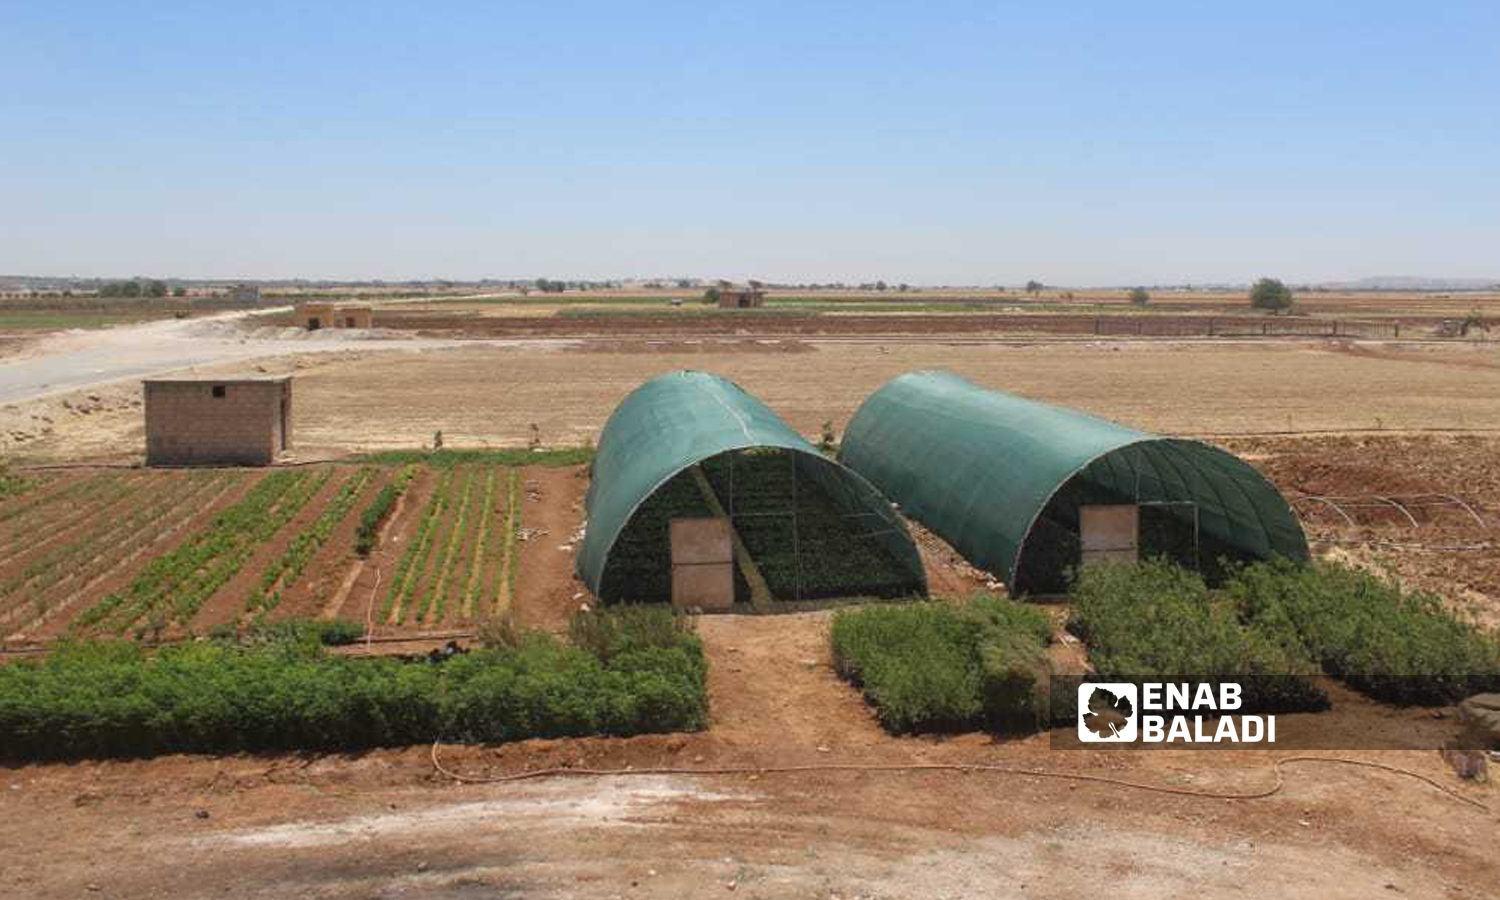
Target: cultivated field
(104, 551)
(161, 555)
(491, 396)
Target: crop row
(174, 586)
(65, 572)
(506, 590)
(439, 590)
(456, 566)
(51, 518)
(283, 573)
(409, 569)
(374, 515)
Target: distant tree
(179, 291)
(880, 285)
(684, 282)
(156, 289)
(723, 283)
(1271, 295)
(903, 287)
(711, 295)
(1139, 297)
(1034, 287)
(543, 284)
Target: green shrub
(1403, 647)
(284, 691)
(607, 633)
(947, 666)
(1155, 622)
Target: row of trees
(137, 288)
(1269, 294)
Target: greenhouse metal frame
(685, 419)
(996, 476)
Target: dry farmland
(100, 548)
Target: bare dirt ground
(547, 590)
(385, 824)
(494, 396)
(1449, 551)
(480, 395)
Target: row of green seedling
(175, 585)
(283, 574)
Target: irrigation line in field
(963, 769)
(1397, 545)
(512, 526)
(476, 566)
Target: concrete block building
(237, 421)
(313, 316)
(245, 293)
(741, 298)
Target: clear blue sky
(1079, 143)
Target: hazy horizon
(951, 143)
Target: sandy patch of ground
(493, 396)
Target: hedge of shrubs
(115, 699)
(1395, 645)
(948, 666)
(1157, 622)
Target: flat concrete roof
(205, 379)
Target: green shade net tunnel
(813, 528)
(1002, 480)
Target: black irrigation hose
(962, 768)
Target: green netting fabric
(678, 420)
(980, 468)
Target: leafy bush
(1270, 294)
(1159, 623)
(610, 633)
(947, 666)
(112, 699)
(1403, 647)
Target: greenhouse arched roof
(978, 467)
(677, 420)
